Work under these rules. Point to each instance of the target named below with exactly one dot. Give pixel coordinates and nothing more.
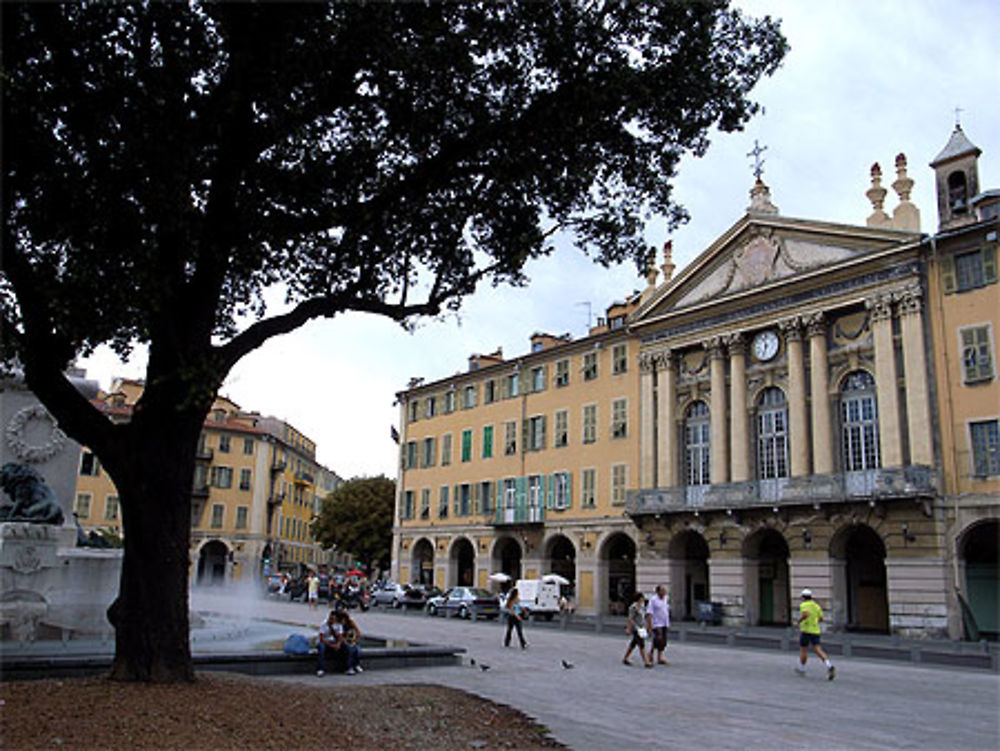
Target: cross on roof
(758, 163)
(958, 117)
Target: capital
(880, 306)
(910, 299)
(791, 328)
(815, 324)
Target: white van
(539, 597)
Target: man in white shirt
(659, 615)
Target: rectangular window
(110, 508)
(449, 401)
(430, 406)
(469, 397)
(222, 477)
(407, 510)
(411, 455)
(245, 477)
(466, 445)
(538, 378)
(561, 437)
(619, 359)
(619, 418)
(486, 496)
(218, 512)
(487, 441)
(248, 446)
(510, 438)
(489, 391)
(977, 354)
(425, 503)
(590, 423)
(985, 448)
(412, 410)
(562, 373)
(618, 480)
(536, 491)
(560, 490)
(588, 482)
(242, 513)
(443, 503)
(534, 438)
(463, 503)
(969, 270)
(446, 450)
(512, 385)
(224, 444)
(590, 366)
(89, 464)
(428, 458)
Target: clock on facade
(765, 345)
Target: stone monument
(50, 588)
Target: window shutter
(541, 439)
(948, 274)
(569, 490)
(984, 359)
(477, 505)
(434, 451)
(545, 377)
(521, 497)
(526, 437)
(504, 388)
(454, 501)
(990, 264)
(549, 499)
(500, 501)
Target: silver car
(465, 602)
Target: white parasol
(555, 579)
(499, 576)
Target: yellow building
(253, 498)
(521, 465)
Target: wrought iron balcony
(304, 478)
(279, 466)
(276, 499)
(518, 516)
(203, 454)
(871, 485)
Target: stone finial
(760, 199)
(651, 272)
(668, 261)
(876, 194)
(906, 216)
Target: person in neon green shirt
(810, 616)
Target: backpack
(296, 644)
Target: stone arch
(507, 556)
(213, 563)
(461, 562)
(616, 554)
(766, 576)
(688, 554)
(978, 551)
(860, 589)
(422, 561)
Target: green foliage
(357, 518)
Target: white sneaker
(359, 669)
(320, 673)
(800, 670)
(350, 671)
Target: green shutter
(549, 496)
(948, 274)
(541, 441)
(569, 489)
(990, 264)
(525, 436)
(984, 359)
(498, 501)
(521, 498)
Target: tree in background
(357, 518)
(165, 163)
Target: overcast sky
(863, 81)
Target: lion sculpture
(32, 499)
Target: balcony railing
(304, 478)
(276, 499)
(200, 490)
(519, 515)
(279, 466)
(203, 454)
(870, 485)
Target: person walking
(638, 625)
(810, 616)
(659, 621)
(515, 617)
(331, 639)
(313, 584)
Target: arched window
(859, 423)
(772, 435)
(697, 444)
(958, 193)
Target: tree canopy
(357, 518)
(166, 163)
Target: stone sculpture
(32, 500)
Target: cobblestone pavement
(708, 697)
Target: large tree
(164, 163)
(357, 518)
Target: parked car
(390, 594)
(466, 602)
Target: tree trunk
(150, 615)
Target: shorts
(637, 641)
(660, 638)
(808, 640)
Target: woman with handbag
(515, 615)
(638, 625)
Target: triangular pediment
(758, 252)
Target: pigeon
(484, 667)
(567, 665)
(472, 660)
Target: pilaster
(666, 426)
(798, 438)
(918, 418)
(739, 445)
(890, 438)
(822, 429)
(719, 432)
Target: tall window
(859, 423)
(218, 510)
(428, 458)
(536, 491)
(241, 517)
(489, 391)
(538, 378)
(697, 444)
(535, 438)
(590, 423)
(449, 401)
(411, 454)
(412, 409)
(469, 397)
(590, 366)
(467, 445)
(425, 503)
(224, 444)
(561, 437)
(977, 354)
(222, 477)
(407, 510)
(430, 406)
(248, 446)
(487, 441)
(619, 359)
(985, 448)
(89, 465)
(446, 450)
(560, 490)
(443, 502)
(588, 482)
(619, 476)
(486, 496)
(245, 478)
(111, 508)
(772, 435)
(510, 438)
(512, 385)
(463, 502)
(619, 418)
(562, 373)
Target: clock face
(765, 345)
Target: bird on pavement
(472, 660)
(484, 667)
(567, 665)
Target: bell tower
(956, 174)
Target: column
(918, 418)
(647, 426)
(738, 444)
(890, 440)
(666, 420)
(822, 428)
(720, 454)
(798, 430)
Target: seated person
(331, 637)
(351, 634)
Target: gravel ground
(231, 711)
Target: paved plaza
(708, 697)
